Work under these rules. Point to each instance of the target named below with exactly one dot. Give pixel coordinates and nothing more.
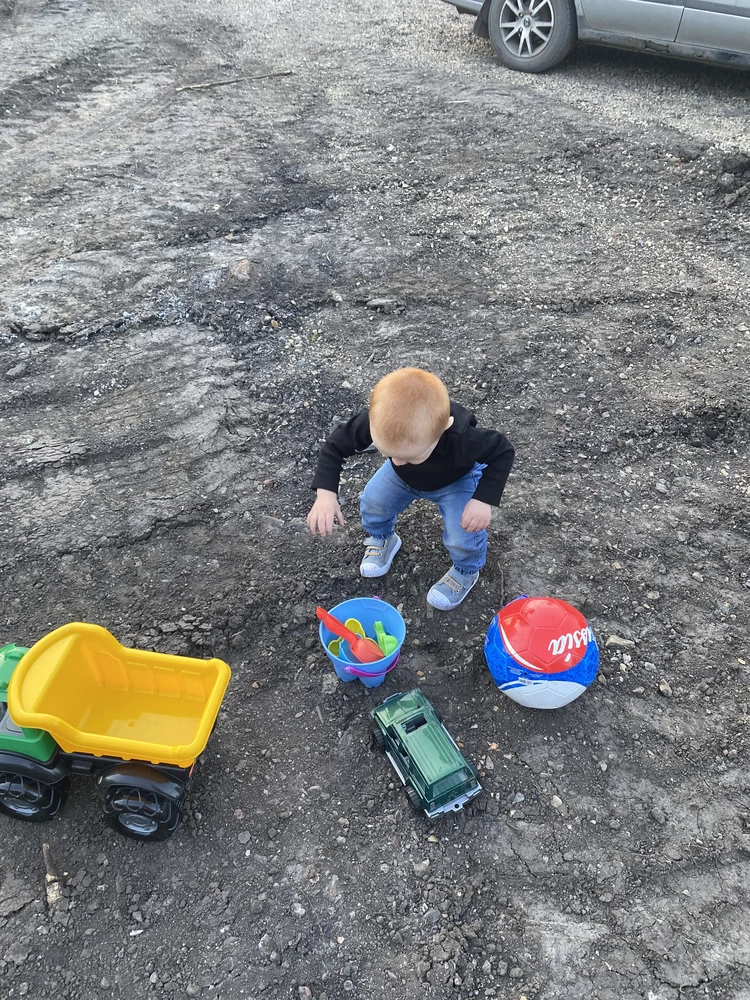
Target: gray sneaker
(448, 592)
(379, 555)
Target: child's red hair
(409, 407)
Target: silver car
(533, 35)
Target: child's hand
(476, 516)
(324, 512)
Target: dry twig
(236, 79)
(52, 880)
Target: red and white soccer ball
(541, 652)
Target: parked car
(534, 35)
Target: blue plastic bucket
(367, 611)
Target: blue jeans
(386, 496)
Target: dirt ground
(196, 284)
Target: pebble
(432, 916)
(698, 576)
(244, 837)
(617, 640)
(266, 945)
(556, 802)
(192, 990)
(516, 972)
(298, 910)
(658, 815)
(421, 868)
(305, 993)
(665, 689)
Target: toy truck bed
(96, 696)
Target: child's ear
(450, 423)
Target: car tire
(29, 799)
(532, 35)
(378, 738)
(414, 800)
(141, 815)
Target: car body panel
(637, 18)
(717, 28)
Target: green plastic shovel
(388, 643)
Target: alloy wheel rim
(526, 26)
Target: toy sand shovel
(387, 643)
(365, 650)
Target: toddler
(435, 452)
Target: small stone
(617, 640)
(665, 689)
(556, 802)
(266, 945)
(298, 910)
(244, 837)
(488, 763)
(192, 990)
(658, 816)
(305, 993)
(386, 305)
(518, 798)
(348, 985)
(698, 576)
(501, 969)
(516, 972)
(661, 487)
(329, 684)
(603, 766)
(432, 916)
(421, 868)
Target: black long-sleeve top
(458, 450)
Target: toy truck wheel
(414, 800)
(140, 814)
(378, 738)
(27, 798)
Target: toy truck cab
(437, 776)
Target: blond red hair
(410, 407)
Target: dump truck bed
(95, 696)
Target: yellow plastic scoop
(354, 626)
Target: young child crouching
(436, 452)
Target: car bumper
(467, 6)
(456, 805)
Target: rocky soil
(197, 282)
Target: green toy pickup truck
(437, 776)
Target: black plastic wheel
(378, 738)
(532, 35)
(141, 815)
(30, 799)
(414, 800)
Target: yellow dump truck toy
(78, 702)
